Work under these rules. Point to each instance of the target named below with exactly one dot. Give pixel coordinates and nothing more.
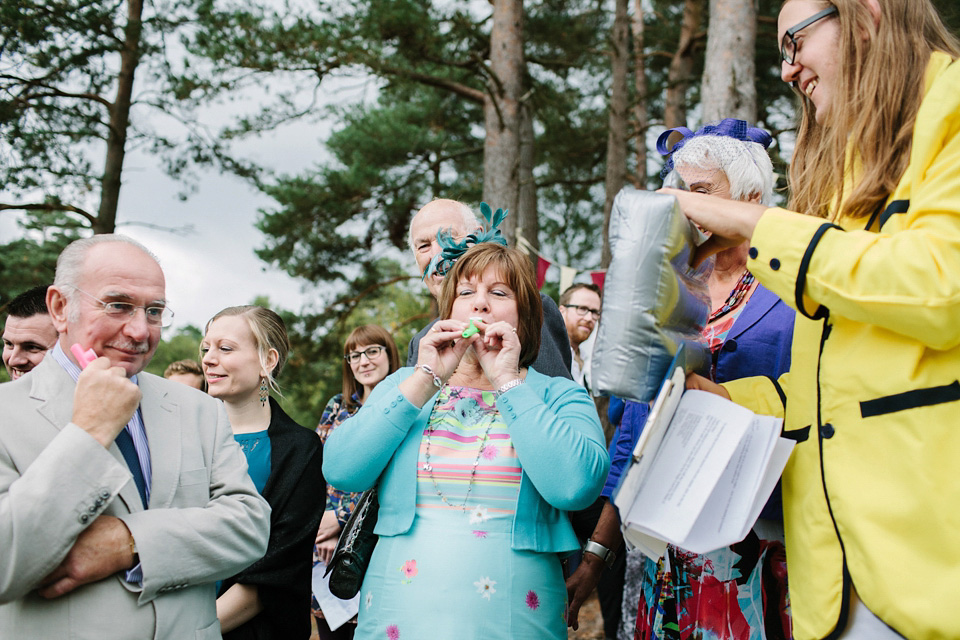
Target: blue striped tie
(129, 451)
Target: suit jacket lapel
(161, 420)
(758, 305)
(54, 388)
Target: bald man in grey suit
(123, 496)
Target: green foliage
(421, 135)
(31, 259)
(314, 371)
(182, 345)
(60, 70)
(45, 54)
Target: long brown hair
(365, 334)
(871, 119)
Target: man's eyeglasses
(156, 316)
(582, 311)
(371, 352)
(788, 44)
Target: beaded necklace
(491, 417)
(736, 296)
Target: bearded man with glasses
(580, 308)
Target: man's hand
(103, 549)
(584, 580)
(580, 585)
(104, 400)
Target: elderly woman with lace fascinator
(867, 252)
(477, 457)
(739, 591)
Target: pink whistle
(84, 357)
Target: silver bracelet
(509, 385)
(437, 382)
(606, 555)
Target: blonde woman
(243, 350)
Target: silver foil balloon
(653, 300)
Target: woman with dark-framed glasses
(369, 355)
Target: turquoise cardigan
(555, 431)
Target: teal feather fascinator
(452, 250)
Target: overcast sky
(215, 266)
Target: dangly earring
(263, 392)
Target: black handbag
(354, 548)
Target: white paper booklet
(336, 611)
(700, 473)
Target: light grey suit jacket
(206, 520)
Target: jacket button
(104, 494)
(827, 431)
(83, 518)
(753, 253)
(730, 345)
(775, 264)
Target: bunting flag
(598, 277)
(567, 274)
(542, 265)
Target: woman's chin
(369, 380)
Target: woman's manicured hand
(498, 350)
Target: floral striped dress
(454, 575)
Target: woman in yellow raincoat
(872, 266)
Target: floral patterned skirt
(442, 581)
(735, 593)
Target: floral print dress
(454, 575)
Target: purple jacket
(757, 345)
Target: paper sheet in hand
(335, 610)
(700, 473)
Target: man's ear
(754, 197)
(57, 307)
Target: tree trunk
(678, 77)
(527, 222)
(501, 110)
(617, 133)
(729, 87)
(119, 121)
(640, 87)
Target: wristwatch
(606, 555)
